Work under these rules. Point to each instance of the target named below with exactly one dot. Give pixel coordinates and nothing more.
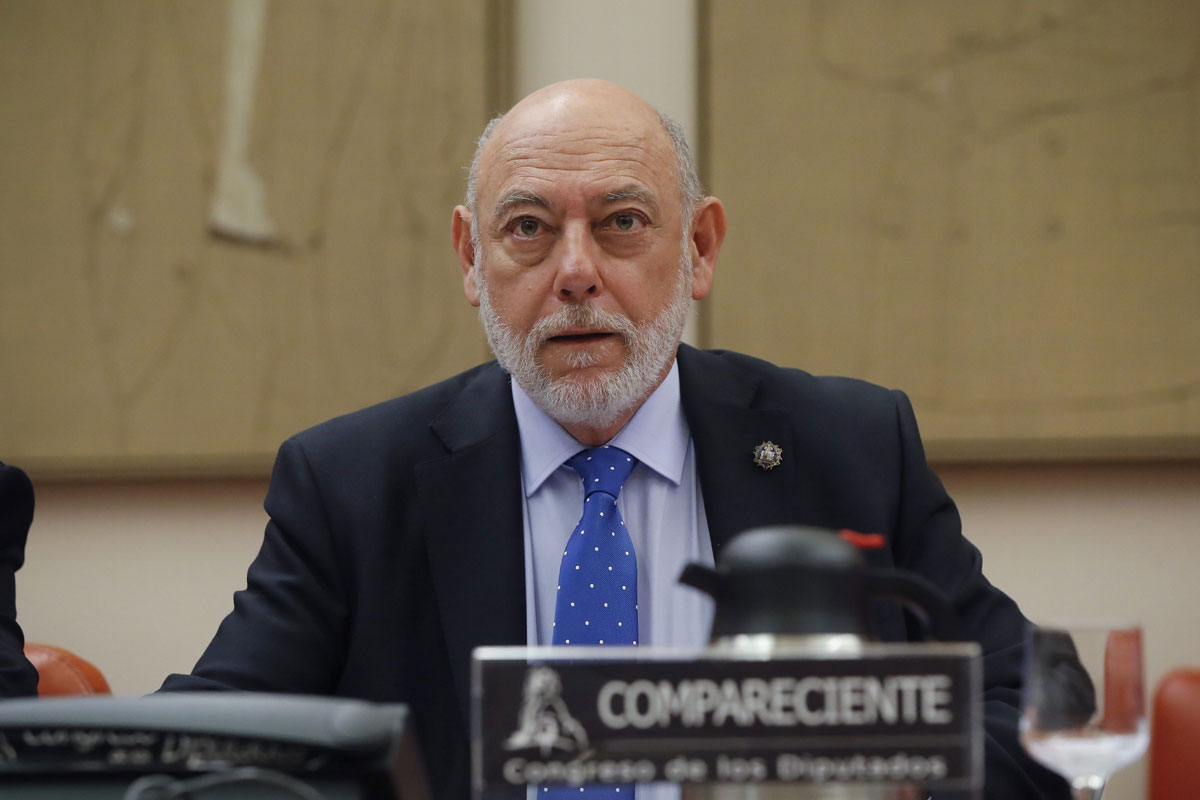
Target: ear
(708, 232)
(460, 236)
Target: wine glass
(1083, 707)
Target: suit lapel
(724, 412)
(471, 502)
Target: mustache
(582, 316)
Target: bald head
(584, 104)
(567, 100)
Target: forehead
(580, 157)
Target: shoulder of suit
(16, 513)
(785, 385)
(403, 419)
(15, 487)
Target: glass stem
(1087, 788)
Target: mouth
(581, 337)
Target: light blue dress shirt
(660, 503)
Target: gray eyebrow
(523, 197)
(635, 193)
(517, 198)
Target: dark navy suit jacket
(395, 541)
(18, 678)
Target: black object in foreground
(796, 580)
(95, 747)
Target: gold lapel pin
(768, 455)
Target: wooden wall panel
(223, 222)
(993, 205)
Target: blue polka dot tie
(597, 581)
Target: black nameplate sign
(892, 714)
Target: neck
(594, 436)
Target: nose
(578, 275)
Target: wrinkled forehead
(578, 148)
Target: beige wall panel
(137, 335)
(995, 206)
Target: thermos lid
(786, 580)
(789, 548)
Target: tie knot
(603, 469)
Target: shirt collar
(657, 435)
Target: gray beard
(601, 401)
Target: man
(406, 534)
(18, 678)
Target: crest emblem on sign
(544, 721)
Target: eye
(626, 221)
(528, 226)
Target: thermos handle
(701, 577)
(919, 596)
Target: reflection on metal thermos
(796, 592)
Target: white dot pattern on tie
(595, 602)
